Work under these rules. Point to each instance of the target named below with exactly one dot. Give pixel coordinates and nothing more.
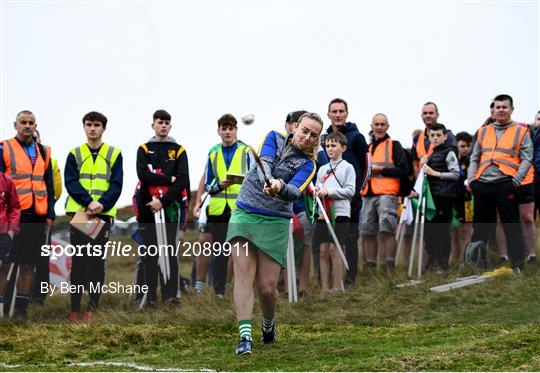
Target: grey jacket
(283, 162)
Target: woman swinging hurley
(258, 229)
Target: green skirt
(268, 233)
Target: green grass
(301, 347)
(374, 326)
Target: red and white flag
(59, 265)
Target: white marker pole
(331, 230)
(401, 231)
(421, 244)
(13, 298)
(163, 262)
(413, 246)
(291, 267)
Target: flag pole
(330, 229)
(291, 266)
(421, 244)
(413, 246)
(401, 230)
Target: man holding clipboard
(94, 179)
(228, 162)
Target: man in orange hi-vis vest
(500, 161)
(526, 198)
(29, 165)
(422, 148)
(380, 196)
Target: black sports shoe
(172, 302)
(371, 264)
(151, 305)
(269, 337)
(244, 347)
(531, 259)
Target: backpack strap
(43, 154)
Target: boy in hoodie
(335, 181)
(10, 215)
(442, 171)
(162, 165)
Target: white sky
(199, 60)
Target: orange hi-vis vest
(421, 148)
(503, 153)
(529, 177)
(29, 181)
(380, 184)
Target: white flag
(407, 216)
(419, 183)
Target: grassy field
(374, 326)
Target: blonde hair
(312, 153)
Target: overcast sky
(199, 60)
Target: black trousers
(536, 198)
(87, 269)
(437, 234)
(351, 244)
(41, 274)
(26, 248)
(139, 278)
(490, 198)
(217, 225)
(169, 290)
(27, 244)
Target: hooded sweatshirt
(355, 153)
(338, 178)
(169, 157)
(10, 209)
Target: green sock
(244, 327)
(199, 286)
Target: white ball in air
(248, 119)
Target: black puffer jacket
(437, 161)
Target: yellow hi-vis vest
(57, 179)
(238, 166)
(94, 176)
